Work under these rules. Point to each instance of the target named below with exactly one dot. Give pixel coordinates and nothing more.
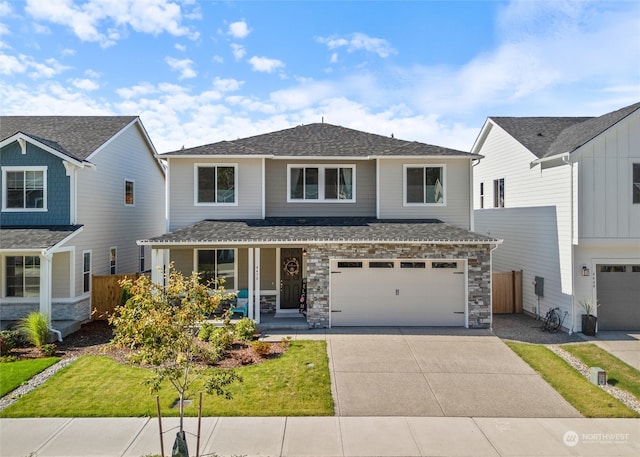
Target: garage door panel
(618, 296)
(416, 295)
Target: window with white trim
(22, 276)
(216, 184)
(498, 193)
(216, 264)
(86, 271)
(481, 195)
(113, 261)
(129, 187)
(321, 183)
(424, 184)
(142, 259)
(636, 183)
(24, 188)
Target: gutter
(564, 157)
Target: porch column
(250, 283)
(257, 287)
(159, 263)
(45, 285)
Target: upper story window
(128, 192)
(24, 188)
(481, 195)
(216, 184)
(321, 183)
(424, 184)
(86, 271)
(498, 193)
(636, 183)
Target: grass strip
(295, 384)
(588, 399)
(619, 374)
(14, 374)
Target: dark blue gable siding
(58, 186)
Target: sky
(198, 72)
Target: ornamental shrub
(35, 328)
(244, 329)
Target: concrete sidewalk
(324, 436)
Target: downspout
(491, 288)
(566, 159)
(472, 221)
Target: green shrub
(8, 358)
(221, 337)
(262, 348)
(10, 339)
(36, 328)
(205, 331)
(245, 329)
(48, 350)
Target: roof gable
(319, 140)
(75, 136)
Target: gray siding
(101, 209)
(457, 207)
(276, 198)
(182, 208)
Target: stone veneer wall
(78, 311)
(267, 303)
(478, 273)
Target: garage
(398, 292)
(619, 297)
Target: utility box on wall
(538, 286)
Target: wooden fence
(106, 293)
(507, 292)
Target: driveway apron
(434, 372)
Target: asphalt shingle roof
(549, 136)
(34, 237)
(318, 230)
(320, 140)
(75, 136)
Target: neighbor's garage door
(619, 297)
(398, 292)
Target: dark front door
(290, 278)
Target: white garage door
(398, 292)
(619, 297)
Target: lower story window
(23, 276)
(216, 264)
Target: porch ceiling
(319, 230)
(32, 238)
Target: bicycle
(552, 321)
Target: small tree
(159, 323)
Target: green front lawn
(588, 399)
(295, 384)
(14, 374)
(619, 374)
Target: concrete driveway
(434, 372)
(624, 345)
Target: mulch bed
(94, 337)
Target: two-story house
(359, 228)
(564, 194)
(77, 192)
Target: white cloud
(183, 66)
(238, 51)
(86, 19)
(180, 47)
(239, 30)
(265, 64)
(218, 59)
(85, 84)
(22, 64)
(359, 42)
(227, 85)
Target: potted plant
(589, 321)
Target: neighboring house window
(142, 259)
(498, 193)
(128, 193)
(216, 184)
(215, 264)
(481, 195)
(424, 185)
(23, 276)
(636, 183)
(113, 261)
(86, 271)
(322, 183)
(24, 188)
